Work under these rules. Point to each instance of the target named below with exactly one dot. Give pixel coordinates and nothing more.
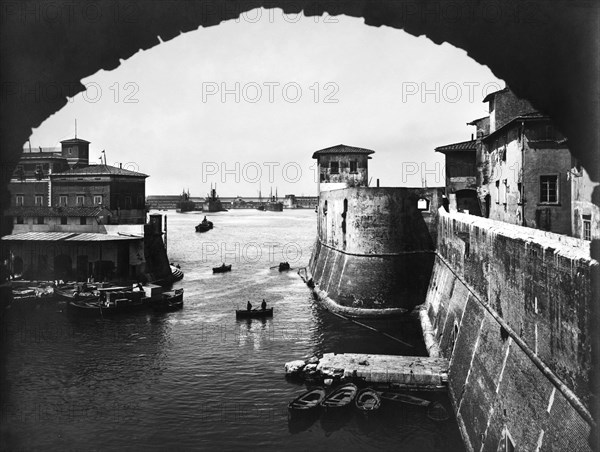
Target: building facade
(515, 170)
(342, 166)
(461, 176)
(65, 179)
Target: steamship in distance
(185, 204)
(212, 203)
(272, 205)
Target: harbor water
(198, 379)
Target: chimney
(121, 165)
(472, 136)
(377, 183)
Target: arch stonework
(547, 52)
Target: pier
(399, 372)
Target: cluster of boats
(366, 400)
(116, 300)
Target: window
(40, 220)
(549, 189)
(80, 200)
(504, 191)
(63, 220)
(19, 200)
(519, 193)
(353, 166)
(19, 220)
(334, 167)
(587, 227)
(497, 192)
(39, 200)
(82, 220)
(97, 200)
(62, 200)
(423, 204)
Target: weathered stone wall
(378, 220)
(384, 258)
(511, 307)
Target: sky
(246, 103)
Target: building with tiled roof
(66, 179)
(340, 166)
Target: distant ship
(185, 204)
(273, 205)
(212, 203)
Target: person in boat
(205, 220)
(263, 305)
(249, 306)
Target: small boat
(170, 301)
(253, 313)
(340, 397)
(73, 293)
(404, 398)
(283, 266)
(308, 401)
(204, 225)
(367, 400)
(112, 300)
(222, 269)
(437, 412)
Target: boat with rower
(204, 226)
(222, 269)
(253, 313)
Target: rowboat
(110, 301)
(252, 313)
(340, 397)
(367, 400)
(222, 269)
(404, 398)
(283, 266)
(307, 401)
(170, 301)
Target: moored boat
(169, 302)
(403, 398)
(340, 397)
(113, 300)
(253, 313)
(222, 269)
(283, 266)
(308, 401)
(367, 400)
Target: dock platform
(402, 372)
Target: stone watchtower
(342, 166)
(76, 151)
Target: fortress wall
(384, 258)
(511, 308)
